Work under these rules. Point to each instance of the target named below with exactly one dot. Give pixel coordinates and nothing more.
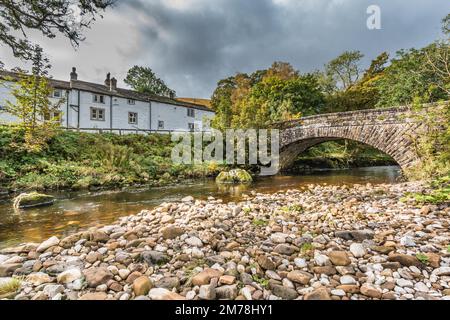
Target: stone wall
(392, 131)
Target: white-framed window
(160, 124)
(191, 126)
(98, 98)
(191, 113)
(97, 114)
(131, 101)
(57, 93)
(132, 117)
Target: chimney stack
(108, 79)
(113, 86)
(73, 74)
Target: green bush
(80, 160)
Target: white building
(104, 106)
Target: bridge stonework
(391, 131)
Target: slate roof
(102, 89)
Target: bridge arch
(391, 131)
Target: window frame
(131, 102)
(54, 115)
(191, 112)
(98, 98)
(96, 118)
(135, 115)
(60, 93)
(191, 126)
(160, 124)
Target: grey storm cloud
(192, 44)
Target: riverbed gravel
(318, 243)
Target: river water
(78, 210)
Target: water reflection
(78, 210)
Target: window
(132, 117)
(98, 98)
(191, 113)
(97, 114)
(57, 93)
(131, 101)
(191, 126)
(53, 116)
(160, 124)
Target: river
(78, 210)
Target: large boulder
(33, 199)
(234, 177)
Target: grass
(10, 286)
(422, 258)
(440, 193)
(260, 222)
(261, 281)
(306, 248)
(74, 160)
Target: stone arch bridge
(391, 131)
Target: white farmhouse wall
(76, 112)
(5, 95)
(176, 117)
(121, 109)
(6, 88)
(86, 103)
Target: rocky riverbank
(321, 242)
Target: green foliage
(48, 18)
(422, 258)
(261, 281)
(306, 248)
(362, 94)
(266, 96)
(344, 70)
(408, 77)
(341, 154)
(82, 160)
(10, 286)
(32, 105)
(433, 145)
(260, 222)
(144, 80)
(440, 192)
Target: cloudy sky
(192, 44)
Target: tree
(446, 25)
(67, 17)
(264, 97)
(344, 70)
(144, 80)
(438, 58)
(363, 94)
(38, 117)
(409, 77)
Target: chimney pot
(73, 74)
(108, 79)
(113, 86)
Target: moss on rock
(33, 199)
(234, 177)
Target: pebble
(256, 249)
